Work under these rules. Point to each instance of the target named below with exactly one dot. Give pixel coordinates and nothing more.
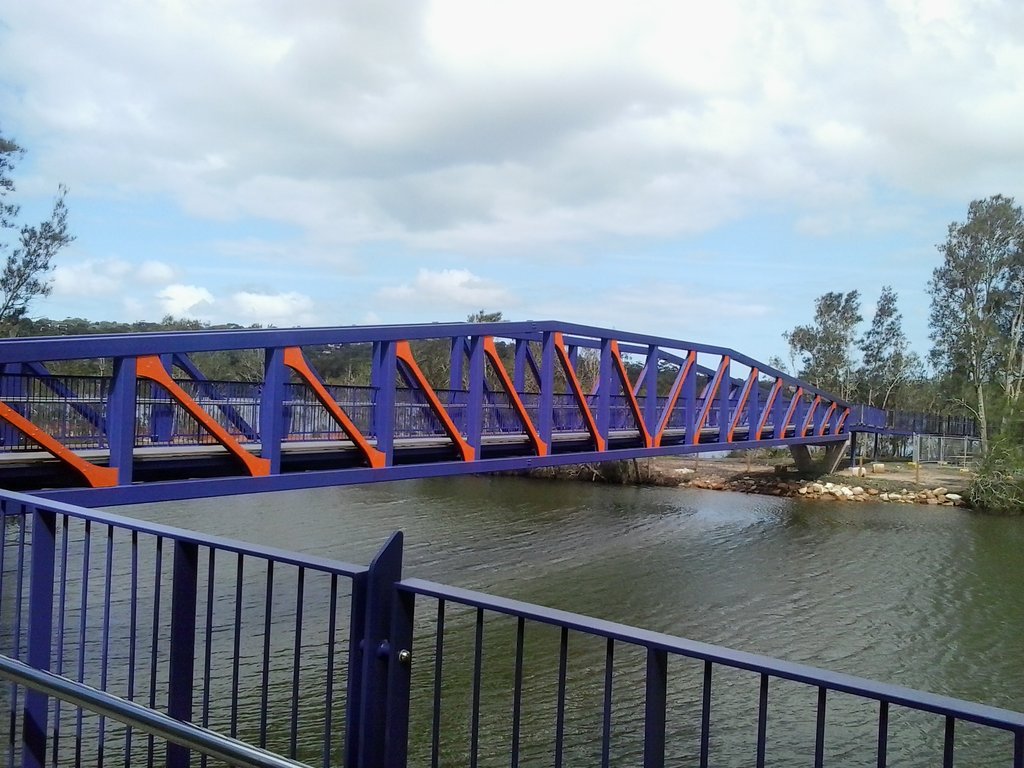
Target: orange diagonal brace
(295, 360)
(673, 396)
(627, 388)
(766, 409)
(150, 367)
(747, 389)
(809, 421)
(789, 413)
(828, 417)
(404, 353)
(842, 421)
(709, 398)
(577, 391)
(499, 368)
(96, 477)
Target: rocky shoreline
(829, 491)
(780, 481)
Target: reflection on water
(918, 596)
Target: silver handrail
(143, 718)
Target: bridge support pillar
(825, 466)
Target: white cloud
(281, 309)
(285, 309)
(107, 277)
(93, 277)
(155, 273)
(190, 301)
(479, 124)
(448, 289)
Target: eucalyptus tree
(977, 306)
(887, 363)
(824, 350)
(27, 261)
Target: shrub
(998, 486)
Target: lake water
(930, 598)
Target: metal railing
(149, 721)
(72, 409)
(253, 645)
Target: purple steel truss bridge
(123, 641)
(420, 401)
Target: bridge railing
(251, 642)
(329, 662)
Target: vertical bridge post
(380, 671)
(182, 651)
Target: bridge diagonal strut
(150, 367)
(294, 359)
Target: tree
(484, 317)
(977, 304)
(27, 265)
(825, 349)
(886, 359)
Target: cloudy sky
(700, 170)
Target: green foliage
(888, 365)
(484, 317)
(977, 306)
(24, 274)
(998, 486)
(825, 348)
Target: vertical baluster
(268, 611)
(606, 726)
(105, 650)
(517, 692)
(40, 633)
(211, 572)
(435, 727)
(293, 745)
(705, 717)
(762, 720)
(3, 552)
(563, 661)
(949, 741)
(155, 637)
(61, 606)
(133, 623)
(819, 731)
(332, 628)
(883, 733)
(654, 708)
(1018, 749)
(82, 616)
(3, 544)
(237, 646)
(474, 733)
(16, 640)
